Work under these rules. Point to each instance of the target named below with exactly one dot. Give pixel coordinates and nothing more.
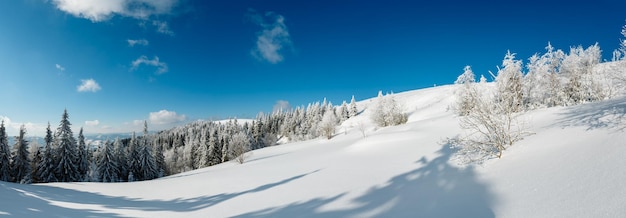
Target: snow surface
(573, 166)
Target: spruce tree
(45, 169)
(353, 111)
(107, 168)
(133, 159)
(20, 163)
(83, 158)
(121, 159)
(67, 167)
(5, 155)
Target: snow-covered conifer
(67, 166)
(46, 168)
(20, 163)
(353, 109)
(107, 168)
(5, 155)
(121, 159)
(83, 158)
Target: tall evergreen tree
(353, 109)
(146, 159)
(133, 158)
(67, 167)
(83, 158)
(148, 165)
(107, 168)
(5, 155)
(121, 159)
(35, 160)
(20, 163)
(45, 169)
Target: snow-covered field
(573, 166)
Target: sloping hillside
(573, 166)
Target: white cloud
(32, 129)
(163, 27)
(138, 122)
(92, 122)
(281, 105)
(133, 42)
(101, 10)
(273, 39)
(161, 66)
(166, 117)
(59, 67)
(88, 85)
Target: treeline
(65, 158)
(206, 143)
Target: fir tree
(107, 168)
(147, 163)
(83, 159)
(35, 160)
(5, 155)
(353, 109)
(45, 169)
(133, 158)
(67, 167)
(20, 163)
(121, 159)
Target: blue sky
(115, 63)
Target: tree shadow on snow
(37, 201)
(609, 114)
(436, 189)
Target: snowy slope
(574, 166)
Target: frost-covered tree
(509, 83)
(328, 124)
(353, 109)
(623, 41)
(83, 158)
(215, 150)
(20, 163)
(239, 145)
(343, 111)
(387, 111)
(107, 168)
(46, 168)
(465, 82)
(490, 128)
(5, 155)
(67, 165)
(582, 83)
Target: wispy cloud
(272, 39)
(166, 117)
(102, 10)
(59, 67)
(162, 27)
(133, 42)
(155, 62)
(281, 105)
(88, 85)
(92, 122)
